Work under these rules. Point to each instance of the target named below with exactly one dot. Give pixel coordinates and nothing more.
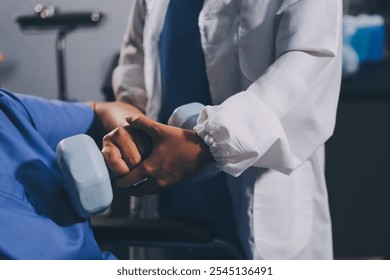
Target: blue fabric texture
(183, 70)
(37, 219)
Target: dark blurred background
(358, 155)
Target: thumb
(145, 124)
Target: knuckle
(121, 130)
(111, 158)
(137, 119)
(149, 170)
(107, 153)
(162, 182)
(107, 137)
(107, 157)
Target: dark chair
(165, 239)
(137, 238)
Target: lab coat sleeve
(128, 77)
(288, 112)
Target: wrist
(207, 157)
(208, 165)
(92, 104)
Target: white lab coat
(274, 69)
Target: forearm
(267, 131)
(289, 110)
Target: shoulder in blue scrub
(36, 216)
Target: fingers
(124, 141)
(142, 141)
(132, 178)
(136, 183)
(113, 158)
(144, 188)
(146, 125)
(120, 152)
(151, 167)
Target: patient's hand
(124, 148)
(177, 154)
(110, 115)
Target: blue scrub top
(36, 217)
(183, 69)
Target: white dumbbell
(87, 180)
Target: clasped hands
(147, 156)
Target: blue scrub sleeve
(37, 218)
(55, 120)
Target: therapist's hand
(177, 154)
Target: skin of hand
(124, 148)
(111, 117)
(177, 154)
